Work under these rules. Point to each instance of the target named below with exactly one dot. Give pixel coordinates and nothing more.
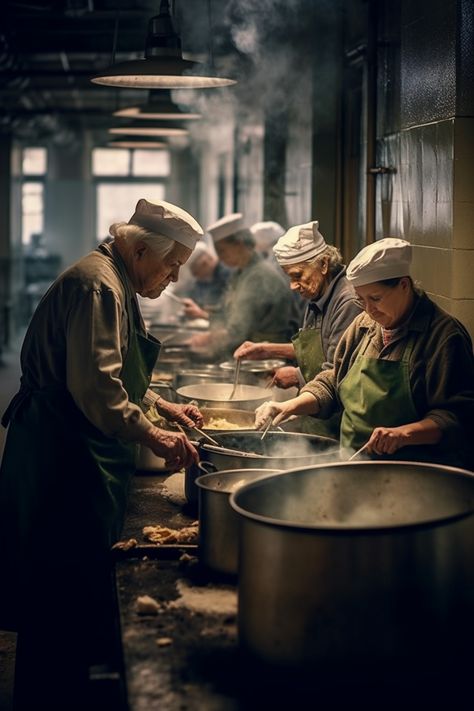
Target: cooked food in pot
(221, 423)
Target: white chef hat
(299, 244)
(385, 259)
(227, 226)
(169, 220)
(266, 233)
(200, 249)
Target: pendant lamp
(163, 65)
(138, 129)
(159, 106)
(142, 143)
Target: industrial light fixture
(143, 143)
(159, 106)
(140, 130)
(163, 65)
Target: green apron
(308, 345)
(377, 393)
(63, 483)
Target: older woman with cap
(316, 272)
(74, 427)
(257, 305)
(403, 371)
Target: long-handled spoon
(236, 378)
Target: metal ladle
(236, 377)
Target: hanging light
(163, 65)
(141, 143)
(158, 106)
(138, 129)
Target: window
(32, 211)
(123, 176)
(34, 165)
(34, 161)
(116, 202)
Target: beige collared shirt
(78, 340)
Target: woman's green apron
(308, 345)
(377, 393)
(64, 484)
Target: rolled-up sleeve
(96, 347)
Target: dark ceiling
(49, 49)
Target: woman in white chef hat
(403, 370)
(316, 272)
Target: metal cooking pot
(246, 397)
(279, 450)
(360, 563)
(236, 419)
(218, 523)
(211, 374)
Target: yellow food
(220, 423)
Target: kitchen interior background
(358, 113)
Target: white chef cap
(387, 258)
(200, 249)
(166, 219)
(300, 244)
(227, 226)
(266, 233)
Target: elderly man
(211, 277)
(257, 304)
(74, 427)
(316, 272)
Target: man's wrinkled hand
(174, 448)
(187, 415)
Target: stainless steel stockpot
(358, 563)
(247, 397)
(244, 449)
(218, 522)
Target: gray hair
(130, 234)
(333, 257)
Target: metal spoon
(359, 451)
(236, 377)
(267, 427)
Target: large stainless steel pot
(246, 397)
(279, 450)
(218, 522)
(208, 374)
(363, 563)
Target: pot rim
(203, 480)
(345, 529)
(256, 434)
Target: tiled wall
(429, 200)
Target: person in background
(266, 235)
(211, 277)
(403, 371)
(317, 274)
(257, 304)
(73, 431)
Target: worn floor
(9, 380)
